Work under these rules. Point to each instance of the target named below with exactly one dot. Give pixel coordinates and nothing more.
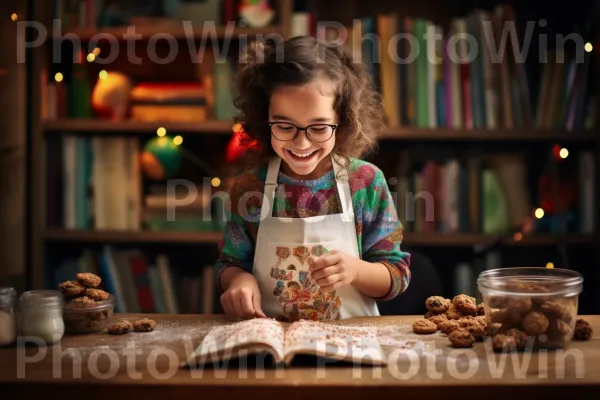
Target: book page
(246, 337)
(340, 342)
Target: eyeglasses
(317, 133)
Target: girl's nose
(302, 141)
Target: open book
(285, 341)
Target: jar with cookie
(88, 308)
(530, 308)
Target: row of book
(144, 284)
(493, 196)
(431, 76)
(97, 183)
(99, 13)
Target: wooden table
(105, 370)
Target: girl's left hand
(334, 270)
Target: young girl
(313, 232)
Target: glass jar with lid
(42, 315)
(8, 317)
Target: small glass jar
(8, 317)
(530, 307)
(42, 315)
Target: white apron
(284, 248)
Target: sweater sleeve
(382, 235)
(236, 248)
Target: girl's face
(303, 106)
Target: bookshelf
(394, 139)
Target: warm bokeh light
(161, 131)
(58, 77)
(103, 74)
(14, 17)
(96, 51)
(550, 265)
(539, 213)
(517, 236)
(588, 47)
(91, 57)
(177, 140)
(216, 182)
(564, 153)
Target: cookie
(452, 312)
(502, 341)
(429, 314)
(465, 304)
(482, 321)
(494, 328)
(476, 330)
(448, 326)
(558, 330)
(519, 336)
(480, 309)
(119, 327)
(437, 304)
(82, 301)
(462, 338)
(557, 310)
(438, 320)
(535, 323)
(424, 327)
(71, 289)
(96, 294)
(497, 301)
(519, 304)
(88, 280)
(144, 325)
(583, 330)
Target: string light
(161, 131)
(539, 213)
(564, 153)
(91, 57)
(14, 17)
(96, 51)
(216, 182)
(103, 74)
(588, 47)
(58, 77)
(550, 265)
(177, 140)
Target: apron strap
(343, 187)
(340, 176)
(270, 187)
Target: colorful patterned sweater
(379, 232)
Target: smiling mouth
(302, 157)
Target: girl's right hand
(242, 297)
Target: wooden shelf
(411, 239)
(468, 239)
(445, 134)
(92, 126)
(177, 31)
(112, 236)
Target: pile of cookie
(82, 294)
(461, 318)
(123, 326)
(511, 322)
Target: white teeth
(302, 155)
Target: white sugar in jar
(42, 315)
(8, 318)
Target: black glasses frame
(298, 129)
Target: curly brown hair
(267, 64)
